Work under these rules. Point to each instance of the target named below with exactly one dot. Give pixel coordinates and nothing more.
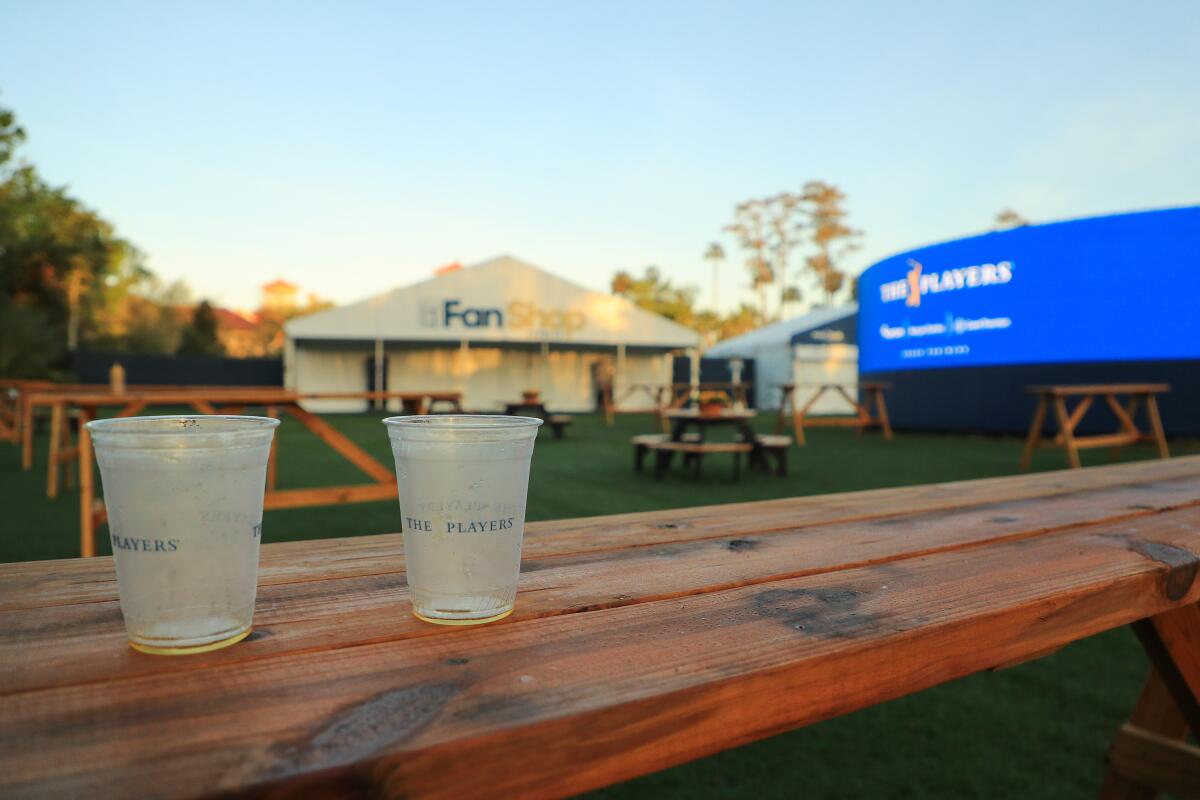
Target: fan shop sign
(517, 315)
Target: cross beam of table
(772, 616)
(863, 418)
(226, 401)
(1067, 420)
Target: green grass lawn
(1037, 730)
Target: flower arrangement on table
(712, 403)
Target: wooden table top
(1101, 388)
(223, 394)
(639, 641)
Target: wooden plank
(581, 700)
(56, 644)
(346, 448)
(1154, 760)
(56, 435)
(1035, 433)
(1100, 388)
(1066, 432)
(1156, 426)
(832, 422)
(1105, 440)
(1172, 641)
(329, 495)
(1155, 712)
(1140, 487)
(87, 538)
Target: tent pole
(694, 357)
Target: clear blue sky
(352, 147)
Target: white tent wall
(322, 370)
(825, 363)
(772, 366)
(488, 376)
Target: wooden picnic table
(863, 418)
(229, 400)
(204, 398)
(1138, 394)
(639, 641)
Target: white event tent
(818, 347)
(490, 331)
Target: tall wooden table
(863, 418)
(639, 641)
(1137, 394)
(229, 400)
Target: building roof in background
(781, 333)
(500, 300)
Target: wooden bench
(558, 424)
(1139, 394)
(776, 446)
(641, 445)
(693, 454)
(639, 641)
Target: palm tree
(715, 254)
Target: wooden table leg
(882, 414)
(1149, 754)
(785, 409)
(27, 436)
(1035, 433)
(1154, 715)
(272, 459)
(1130, 413)
(52, 468)
(1156, 426)
(1067, 432)
(87, 537)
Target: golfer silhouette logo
(914, 284)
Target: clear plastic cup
(185, 503)
(463, 481)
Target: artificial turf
(1038, 730)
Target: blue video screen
(1116, 288)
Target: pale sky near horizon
(354, 147)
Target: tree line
(69, 281)
(772, 232)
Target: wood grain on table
(639, 641)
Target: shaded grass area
(1037, 730)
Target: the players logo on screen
(917, 282)
(914, 284)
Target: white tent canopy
(489, 331)
(500, 300)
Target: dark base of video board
(994, 400)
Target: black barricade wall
(716, 370)
(163, 370)
(994, 400)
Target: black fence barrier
(995, 400)
(163, 370)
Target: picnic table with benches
(639, 641)
(1139, 395)
(694, 445)
(225, 400)
(556, 422)
(863, 418)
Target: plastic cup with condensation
(184, 496)
(463, 482)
